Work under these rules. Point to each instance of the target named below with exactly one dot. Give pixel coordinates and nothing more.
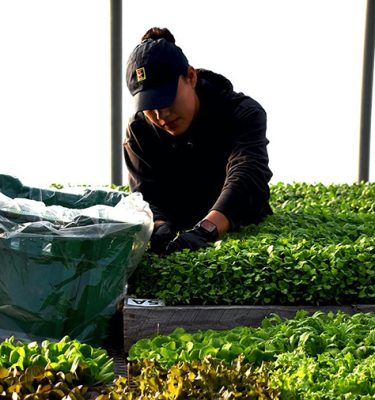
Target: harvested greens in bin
(65, 258)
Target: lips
(170, 124)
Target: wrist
(159, 222)
(220, 220)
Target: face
(177, 118)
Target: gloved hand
(192, 239)
(160, 237)
(204, 231)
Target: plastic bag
(65, 258)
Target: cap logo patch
(141, 74)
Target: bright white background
(301, 59)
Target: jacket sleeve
(245, 193)
(140, 175)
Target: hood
(208, 80)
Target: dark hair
(159, 33)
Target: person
(194, 148)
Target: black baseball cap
(152, 73)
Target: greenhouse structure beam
(367, 89)
(116, 91)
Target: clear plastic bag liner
(65, 258)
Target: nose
(162, 113)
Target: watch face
(208, 225)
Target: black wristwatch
(208, 229)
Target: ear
(192, 76)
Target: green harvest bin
(62, 277)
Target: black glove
(194, 239)
(160, 237)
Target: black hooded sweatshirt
(220, 163)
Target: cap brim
(155, 98)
